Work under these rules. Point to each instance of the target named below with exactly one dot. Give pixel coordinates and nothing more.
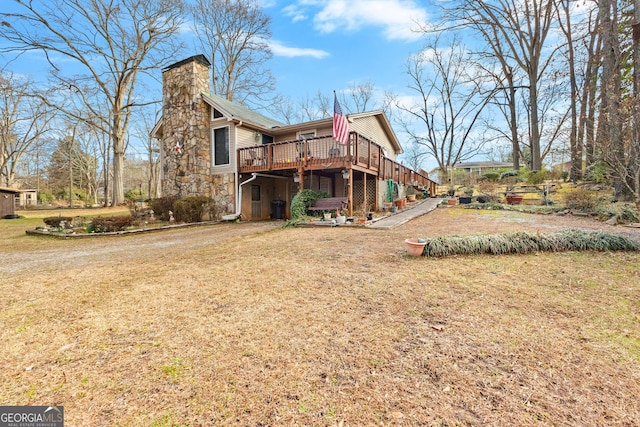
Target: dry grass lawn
(251, 324)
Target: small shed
(8, 202)
(28, 198)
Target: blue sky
(326, 45)
(318, 46)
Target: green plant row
(534, 209)
(524, 243)
(110, 224)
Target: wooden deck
(324, 153)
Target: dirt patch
(251, 324)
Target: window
(221, 146)
(217, 114)
(307, 134)
(267, 139)
(255, 193)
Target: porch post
(350, 192)
(376, 183)
(301, 179)
(364, 189)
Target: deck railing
(325, 152)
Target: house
(479, 168)
(252, 165)
(8, 202)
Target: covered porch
(352, 170)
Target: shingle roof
(237, 111)
(463, 165)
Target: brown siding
(7, 203)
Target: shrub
(161, 206)
(109, 224)
(487, 190)
(491, 176)
(58, 221)
(193, 209)
(301, 202)
(78, 194)
(523, 243)
(134, 194)
(623, 212)
(508, 174)
(536, 177)
(45, 197)
(597, 172)
(582, 199)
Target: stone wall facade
(186, 139)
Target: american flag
(340, 123)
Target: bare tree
(234, 33)
(616, 139)
(24, 119)
(563, 10)
(359, 97)
(449, 100)
(588, 98)
(634, 170)
(110, 43)
(519, 29)
(146, 121)
(73, 169)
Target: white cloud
(295, 12)
(398, 18)
(279, 49)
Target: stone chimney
(186, 147)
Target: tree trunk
(118, 173)
(586, 126)
(609, 121)
(515, 142)
(575, 147)
(536, 162)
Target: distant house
(479, 168)
(8, 202)
(250, 164)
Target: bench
(518, 192)
(329, 204)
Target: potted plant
(415, 246)
(411, 193)
(466, 199)
(513, 199)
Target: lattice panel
(358, 194)
(371, 193)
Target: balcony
(325, 153)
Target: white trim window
(307, 134)
(220, 146)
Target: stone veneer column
(186, 122)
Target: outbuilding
(8, 202)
